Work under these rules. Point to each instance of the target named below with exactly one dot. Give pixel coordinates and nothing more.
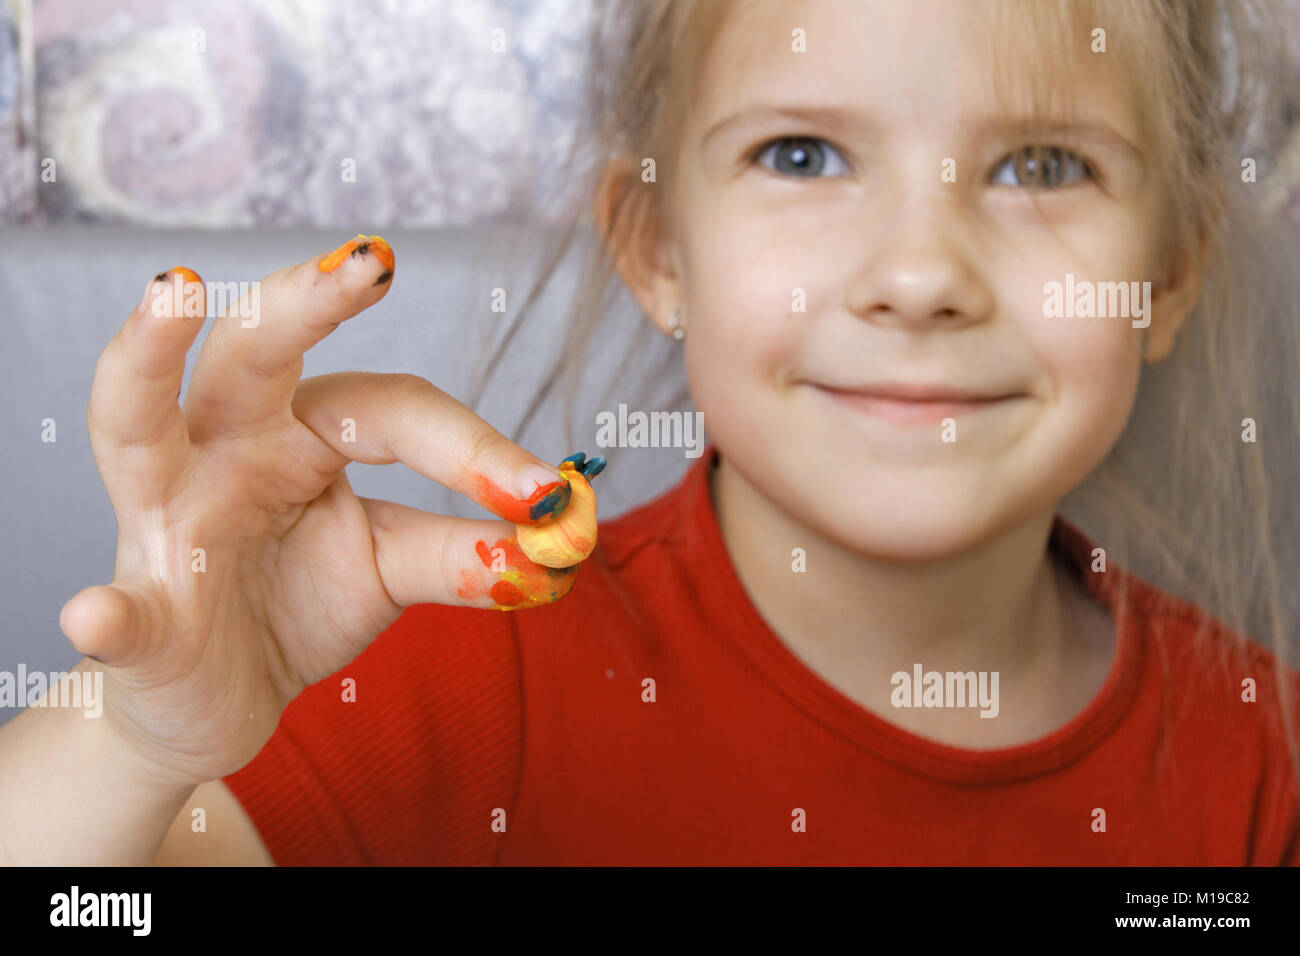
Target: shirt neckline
(731, 613)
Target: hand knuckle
(413, 384)
(482, 445)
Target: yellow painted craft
(571, 537)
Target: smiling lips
(914, 403)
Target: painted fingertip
(593, 467)
(339, 255)
(184, 292)
(551, 502)
(576, 459)
(185, 275)
(520, 583)
(362, 245)
(383, 252)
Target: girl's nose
(922, 271)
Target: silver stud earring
(679, 333)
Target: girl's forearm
(72, 794)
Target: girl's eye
(804, 156)
(1041, 167)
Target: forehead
(903, 60)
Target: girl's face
(896, 216)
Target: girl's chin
(910, 530)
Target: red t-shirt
(481, 736)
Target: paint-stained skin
(520, 581)
(543, 504)
(362, 245)
(187, 275)
(183, 305)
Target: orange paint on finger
(383, 251)
(506, 504)
(520, 583)
(188, 295)
(360, 246)
(507, 595)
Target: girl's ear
(1174, 301)
(630, 225)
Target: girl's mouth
(915, 404)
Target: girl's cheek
(751, 296)
(511, 580)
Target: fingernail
(152, 289)
(383, 251)
(546, 491)
(181, 282)
(362, 245)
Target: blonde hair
(1181, 500)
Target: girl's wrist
(73, 792)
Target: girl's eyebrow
(1098, 133)
(829, 117)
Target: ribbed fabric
(536, 719)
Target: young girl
(918, 257)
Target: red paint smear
(503, 592)
(541, 584)
(506, 504)
(516, 560)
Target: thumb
(105, 623)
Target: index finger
(252, 359)
(381, 418)
(137, 431)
